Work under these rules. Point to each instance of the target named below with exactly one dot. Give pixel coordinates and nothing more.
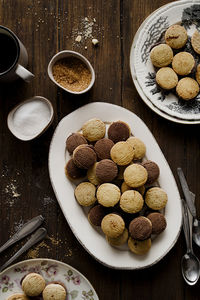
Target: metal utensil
(191, 206)
(25, 230)
(35, 238)
(190, 264)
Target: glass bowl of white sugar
(30, 118)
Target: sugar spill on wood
(48, 244)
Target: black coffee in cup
(8, 52)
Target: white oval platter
(78, 287)
(92, 240)
(142, 71)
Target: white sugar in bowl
(30, 118)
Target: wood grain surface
(46, 27)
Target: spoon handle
(35, 238)
(186, 228)
(25, 230)
(186, 192)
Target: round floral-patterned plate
(78, 287)
(149, 34)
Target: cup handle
(24, 74)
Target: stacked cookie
(34, 285)
(176, 68)
(118, 188)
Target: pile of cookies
(176, 68)
(34, 285)
(118, 188)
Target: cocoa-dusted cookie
(85, 193)
(94, 130)
(120, 240)
(122, 153)
(135, 175)
(161, 55)
(75, 140)
(108, 194)
(195, 41)
(176, 36)
(96, 215)
(103, 147)
(158, 222)
(119, 131)
(140, 228)
(113, 225)
(84, 156)
(106, 170)
(138, 146)
(183, 63)
(73, 172)
(187, 88)
(139, 247)
(152, 170)
(33, 284)
(166, 78)
(156, 198)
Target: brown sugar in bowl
(72, 72)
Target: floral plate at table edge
(78, 287)
(158, 22)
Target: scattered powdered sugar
(48, 200)
(86, 29)
(11, 190)
(18, 225)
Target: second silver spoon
(190, 264)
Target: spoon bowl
(190, 268)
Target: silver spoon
(35, 238)
(25, 230)
(190, 264)
(189, 199)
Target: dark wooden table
(46, 27)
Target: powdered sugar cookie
(176, 36)
(161, 55)
(166, 78)
(156, 198)
(122, 153)
(113, 225)
(195, 41)
(187, 88)
(85, 193)
(94, 130)
(135, 175)
(139, 247)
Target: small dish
(78, 287)
(24, 133)
(65, 54)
